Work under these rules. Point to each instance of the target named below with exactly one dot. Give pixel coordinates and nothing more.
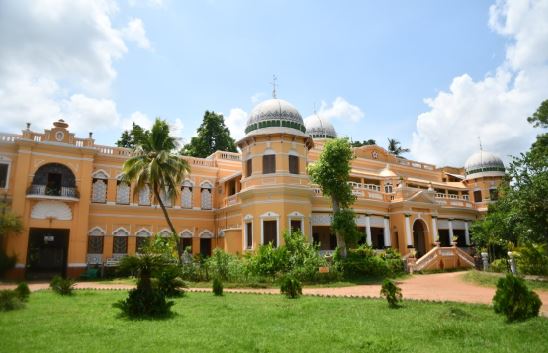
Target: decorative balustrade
(44, 190)
(8, 138)
(231, 200)
(199, 161)
(114, 151)
(415, 164)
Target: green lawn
(490, 279)
(86, 322)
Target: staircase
(440, 258)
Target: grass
(490, 279)
(87, 322)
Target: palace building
(78, 212)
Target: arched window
(186, 194)
(141, 238)
(123, 191)
(269, 162)
(206, 187)
(144, 196)
(119, 244)
(99, 187)
(388, 188)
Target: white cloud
(135, 32)
(147, 3)
(57, 60)
(257, 97)
(340, 109)
(494, 108)
(138, 118)
(235, 121)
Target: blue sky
(368, 66)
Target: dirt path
(440, 287)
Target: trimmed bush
(145, 302)
(364, 261)
(291, 287)
(532, 259)
(392, 293)
(217, 287)
(499, 265)
(62, 286)
(22, 291)
(515, 300)
(9, 300)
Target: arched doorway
(54, 179)
(419, 237)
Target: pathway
(439, 287)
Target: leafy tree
(10, 223)
(540, 117)
(331, 172)
(394, 147)
(363, 143)
(520, 215)
(213, 136)
(130, 139)
(154, 164)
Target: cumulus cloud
(494, 108)
(57, 60)
(340, 109)
(235, 121)
(138, 118)
(135, 32)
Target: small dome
(319, 127)
(275, 113)
(386, 172)
(482, 164)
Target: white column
(368, 231)
(450, 222)
(435, 234)
(466, 233)
(408, 232)
(387, 242)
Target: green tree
(520, 215)
(540, 117)
(331, 172)
(154, 164)
(213, 135)
(394, 147)
(363, 143)
(10, 223)
(130, 139)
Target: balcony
(63, 193)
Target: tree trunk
(341, 243)
(173, 231)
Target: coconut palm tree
(154, 164)
(395, 148)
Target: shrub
(62, 286)
(391, 292)
(290, 286)
(363, 261)
(268, 261)
(499, 265)
(532, 259)
(515, 300)
(22, 291)
(145, 301)
(9, 300)
(169, 281)
(217, 286)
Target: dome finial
(273, 83)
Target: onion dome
(318, 127)
(275, 115)
(483, 164)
